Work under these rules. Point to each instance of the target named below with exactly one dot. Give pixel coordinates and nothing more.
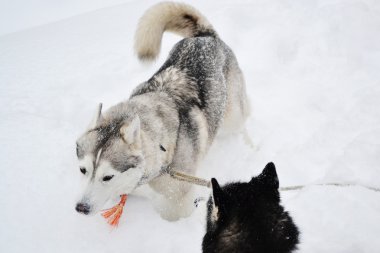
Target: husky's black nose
(82, 208)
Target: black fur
(249, 218)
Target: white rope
(207, 183)
(299, 187)
(190, 179)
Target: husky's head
(241, 199)
(248, 217)
(110, 160)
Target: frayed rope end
(113, 214)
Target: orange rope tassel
(113, 214)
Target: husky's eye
(83, 170)
(107, 178)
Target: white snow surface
(313, 76)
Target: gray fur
(181, 107)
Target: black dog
(248, 217)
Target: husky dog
(169, 120)
(248, 217)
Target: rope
(207, 183)
(190, 179)
(299, 187)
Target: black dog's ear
(217, 194)
(269, 176)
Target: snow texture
(312, 72)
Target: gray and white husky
(169, 120)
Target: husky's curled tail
(178, 18)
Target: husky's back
(215, 83)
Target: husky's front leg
(175, 199)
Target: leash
(207, 183)
(300, 187)
(187, 178)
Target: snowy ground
(312, 72)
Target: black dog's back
(248, 217)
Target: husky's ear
(130, 131)
(96, 117)
(218, 195)
(269, 176)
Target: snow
(16, 15)
(312, 72)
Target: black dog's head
(248, 217)
(239, 199)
